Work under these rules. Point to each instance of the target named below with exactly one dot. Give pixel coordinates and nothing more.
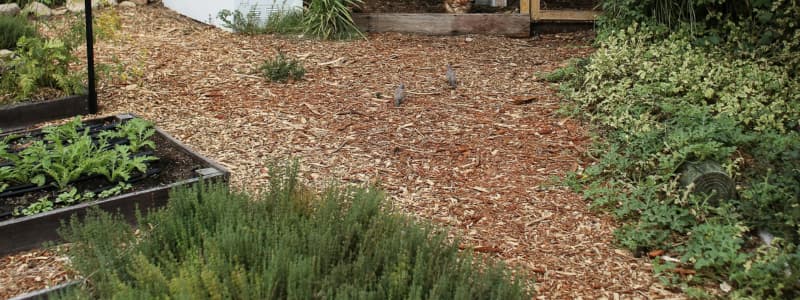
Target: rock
(77, 6)
(5, 53)
(59, 11)
(37, 9)
(140, 2)
(9, 9)
(127, 4)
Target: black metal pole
(90, 57)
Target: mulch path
(483, 159)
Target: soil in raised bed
(173, 164)
(40, 95)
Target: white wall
(206, 11)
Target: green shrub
(764, 29)
(280, 22)
(40, 63)
(660, 100)
(323, 19)
(23, 3)
(281, 69)
(773, 272)
(241, 23)
(210, 242)
(331, 19)
(13, 28)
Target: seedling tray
(24, 114)
(178, 166)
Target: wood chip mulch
(483, 159)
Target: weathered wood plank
(525, 6)
(566, 15)
(512, 25)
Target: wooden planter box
(511, 25)
(24, 114)
(29, 232)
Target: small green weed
(107, 24)
(282, 69)
(42, 205)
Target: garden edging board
(23, 114)
(510, 25)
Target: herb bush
(682, 81)
(12, 28)
(288, 243)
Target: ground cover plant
(698, 81)
(288, 243)
(56, 159)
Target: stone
(77, 6)
(37, 9)
(5, 53)
(9, 9)
(127, 4)
(59, 11)
(140, 2)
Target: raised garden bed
(23, 114)
(511, 25)
(168, 164)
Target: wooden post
(707, 178)
(534, 7)
(525, 7)
(92, 93)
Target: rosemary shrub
(213, 243)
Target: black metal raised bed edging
(46, 293)
(32, 231)
(25, 114)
